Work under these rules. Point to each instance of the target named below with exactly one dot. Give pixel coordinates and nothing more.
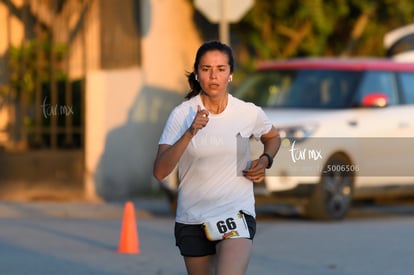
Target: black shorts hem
(192, 241)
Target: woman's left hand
(256, 172)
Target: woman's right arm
(169, 155)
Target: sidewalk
(145, 208)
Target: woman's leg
(200, 265)
(233, 256)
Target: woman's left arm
(271, 143)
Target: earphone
(196, 77)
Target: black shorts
(192, 241)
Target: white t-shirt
(210, 169)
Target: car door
(381, 153)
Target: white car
(347, 128)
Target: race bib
(227, 227)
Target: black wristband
(269, 159)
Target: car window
(263, 88)
(407, 86)
(379, 82)
(320, 89)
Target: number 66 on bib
(227, 227)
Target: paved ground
(145, 207)
(41, 238)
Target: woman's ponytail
(195, 87)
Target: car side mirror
(374, 100)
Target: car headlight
(298, 133)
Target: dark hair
(214, 45)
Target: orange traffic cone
(129, 241)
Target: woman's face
(214, 72)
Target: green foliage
(32, 61)
(299, 28)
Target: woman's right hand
(200, 121)
(169, 155)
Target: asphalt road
(81, 238)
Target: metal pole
(224, 23)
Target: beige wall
(15, 33)
(15, 36)
(169, 43)
(126, 109)
(109, 96)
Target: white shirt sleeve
(177, 123)
(262, 125)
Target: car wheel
(332, 197)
